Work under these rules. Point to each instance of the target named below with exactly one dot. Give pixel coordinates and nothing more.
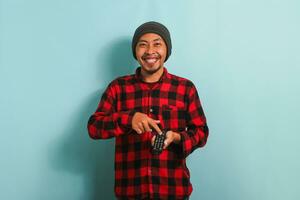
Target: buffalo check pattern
(174, 101)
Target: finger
(152, 140)
(167, 142)
(138, 130)
(146, 126)
(153, 123)
(141, 127)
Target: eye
(157, 44)
(142, 44)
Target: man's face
(151, 52)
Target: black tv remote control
(159, 143)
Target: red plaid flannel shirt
(173, 100)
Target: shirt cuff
(185, 144)
(126, 118)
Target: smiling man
(136, 109)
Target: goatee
(150, 72)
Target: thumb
(152, 140)
(167, 142)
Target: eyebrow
(157, 39)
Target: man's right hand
(142, 123)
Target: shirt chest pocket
(173, 118)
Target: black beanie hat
(152, 27)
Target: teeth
(151, 60)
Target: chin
(153, 69)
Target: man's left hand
(171, 136)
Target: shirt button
(151, 110)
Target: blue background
(57, 57)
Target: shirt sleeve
(196, 134)
(106, 122)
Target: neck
(151, 78)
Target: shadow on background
(119, 60)
(75, 152)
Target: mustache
(152, 55)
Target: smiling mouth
(151, 59)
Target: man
(135, 108)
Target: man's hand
(171, 136)
(142, 123)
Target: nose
(150, 49)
